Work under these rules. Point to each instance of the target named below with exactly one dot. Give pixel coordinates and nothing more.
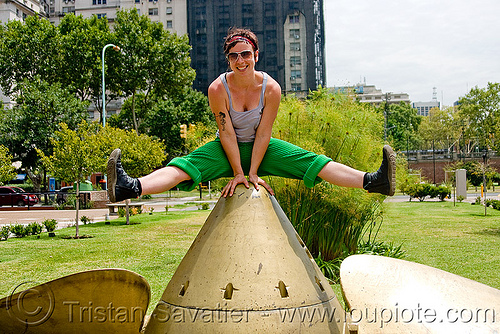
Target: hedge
(422, 190)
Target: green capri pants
(209, 162)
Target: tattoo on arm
(222, 117)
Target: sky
(412, 46)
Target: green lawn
(458, 239)
(153, 249)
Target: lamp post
(485, 161)
(386, 114)
(116, 48)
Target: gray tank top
(245, 123)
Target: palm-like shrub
(330, 220)
(19, 230)
(34, 228)
(50, 225)
(4, 232)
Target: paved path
(471, 197)
(67, 217)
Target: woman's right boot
(120, 186)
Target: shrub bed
(422, 190)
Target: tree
(76, 156)
(142, 110)
(28, 50)
(7, 170)
(475, 170)
(141, 154)
(441, 127)
(162, 118)
(69, 53)
(82, 41)
(154, 61)
(194, 106)
(79, 153)
(35, 118)
(164, 122)
(402, 126)
(480, 110)
(166, 116)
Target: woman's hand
(241, 179)
(231, 185)
(257, 180)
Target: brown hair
(245, 34)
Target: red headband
(242, 39)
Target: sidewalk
(66, 218)
(471, 198)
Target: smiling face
(239, 59)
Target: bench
(114, 206)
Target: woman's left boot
(383, 181)
(120, 186)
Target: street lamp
(116, 48)
(386, 114)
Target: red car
(15, 196)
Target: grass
(459, 239)
(153, 248)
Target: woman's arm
(219, 104)
(272, 98)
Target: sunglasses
(245, 55)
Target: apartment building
(290, 32)
(11, 10)
(423, 108)
(171, 13)
(373, 95)
(19, 9)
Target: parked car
(16, 196)
(62, 194)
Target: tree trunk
(36, 179)
(77, 205)
(134, 118)
(127, 212)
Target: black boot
(120, 185)
(383, 181)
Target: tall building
(12, 10)
(19, 10)
(423, 108)
(372, 95)
(290, 33)
(171, 13)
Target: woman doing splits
(245, 103)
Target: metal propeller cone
(95, 301)
(248, 271)
(387, 295)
